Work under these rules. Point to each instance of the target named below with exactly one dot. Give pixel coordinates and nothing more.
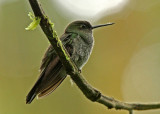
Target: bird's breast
(81, 52)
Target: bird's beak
(97, 26)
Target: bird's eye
(83, 26)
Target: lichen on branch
(35, 21)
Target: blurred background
(125, 63)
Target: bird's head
(83, 28)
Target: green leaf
(35, 22)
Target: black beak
(97, 26)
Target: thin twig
(90, 92)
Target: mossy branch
(90, 92)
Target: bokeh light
(89, 9)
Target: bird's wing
(50, 52)
(52, 72)
(52, 78)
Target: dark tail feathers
(30, 96)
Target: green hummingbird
(78, 41)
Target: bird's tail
(32, 94)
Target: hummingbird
(78, 41)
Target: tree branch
(71, 69)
